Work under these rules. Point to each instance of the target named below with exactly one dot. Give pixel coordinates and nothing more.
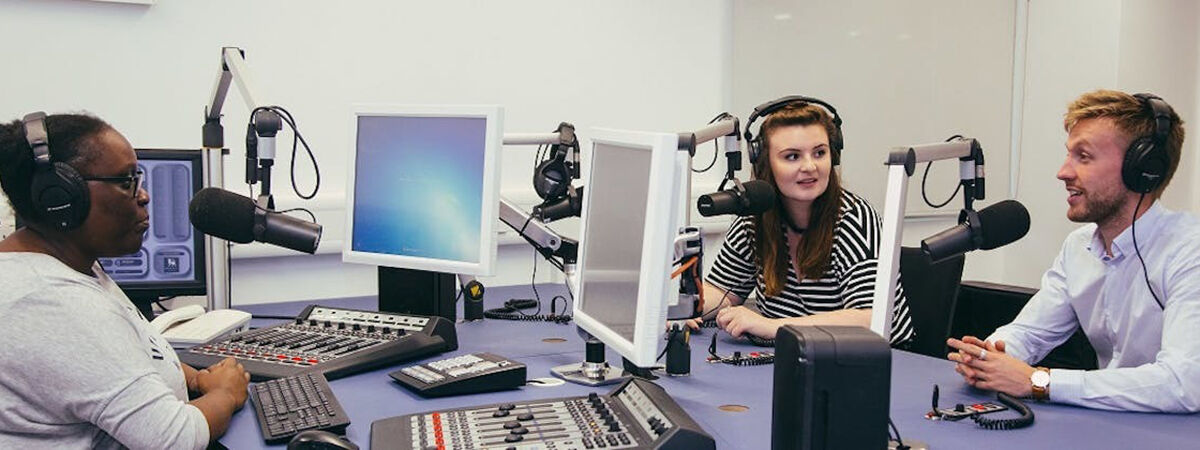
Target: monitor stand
(594, 370)
(418, 292)
(144, 304)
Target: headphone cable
(1145, 273)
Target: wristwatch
(1041, 383)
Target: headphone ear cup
(60, 196)
(836, 144)
(551, 180)
(755, 149)
(1144, 167)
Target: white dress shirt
(1149, 357)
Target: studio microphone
(995, 226)
(569, 206)
(744, 199)
(226, 215)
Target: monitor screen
(171, 260)
(630, 218)
(423, 188)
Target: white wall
(643, 65)
(1078, 46)
(149, 71)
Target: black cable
(925, 178)
(1145, 273)
(1025, 420)
(310, 213)
(670, 335)
(533, 284)
(899, 442)
(716, 148)
(296, 136)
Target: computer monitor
(632, 211)
(171, 261)
(423, 191)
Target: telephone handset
(190, 325)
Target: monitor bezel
(662, 220)
(199, 285)
(490, 214)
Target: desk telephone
(190, 325)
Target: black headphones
(757, 145)
(58, 193)
(1146, 161)
(552, 177)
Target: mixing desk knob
(370, 328)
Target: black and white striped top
(849, 283)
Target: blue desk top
(371, 396)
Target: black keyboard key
(287, 406)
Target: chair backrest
(932, 292)
(982, 307)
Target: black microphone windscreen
(223, 214)
(1003, 223)
(761, 195)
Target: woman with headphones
(812, 257)
(82, 367)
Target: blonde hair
(1131, 117)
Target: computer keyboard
(287, 406)
(466, 374)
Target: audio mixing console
(333, 341)
(637, 414)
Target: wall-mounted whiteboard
(899, 72)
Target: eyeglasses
(131, 182)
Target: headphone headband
(755, 144)
(1162, 115)
(767, 108)
(35, 134)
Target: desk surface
(371, 396)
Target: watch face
(1040, 378)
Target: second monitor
(633, 208)
(423, 200)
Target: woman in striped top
(812, 258)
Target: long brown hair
(770, 243)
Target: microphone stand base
(581, 373)
(909, 444)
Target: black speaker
(832, 388)
(418, 292)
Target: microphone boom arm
(901, 164)
(267, 122)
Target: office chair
(932, 292)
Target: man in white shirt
(1130, 278)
